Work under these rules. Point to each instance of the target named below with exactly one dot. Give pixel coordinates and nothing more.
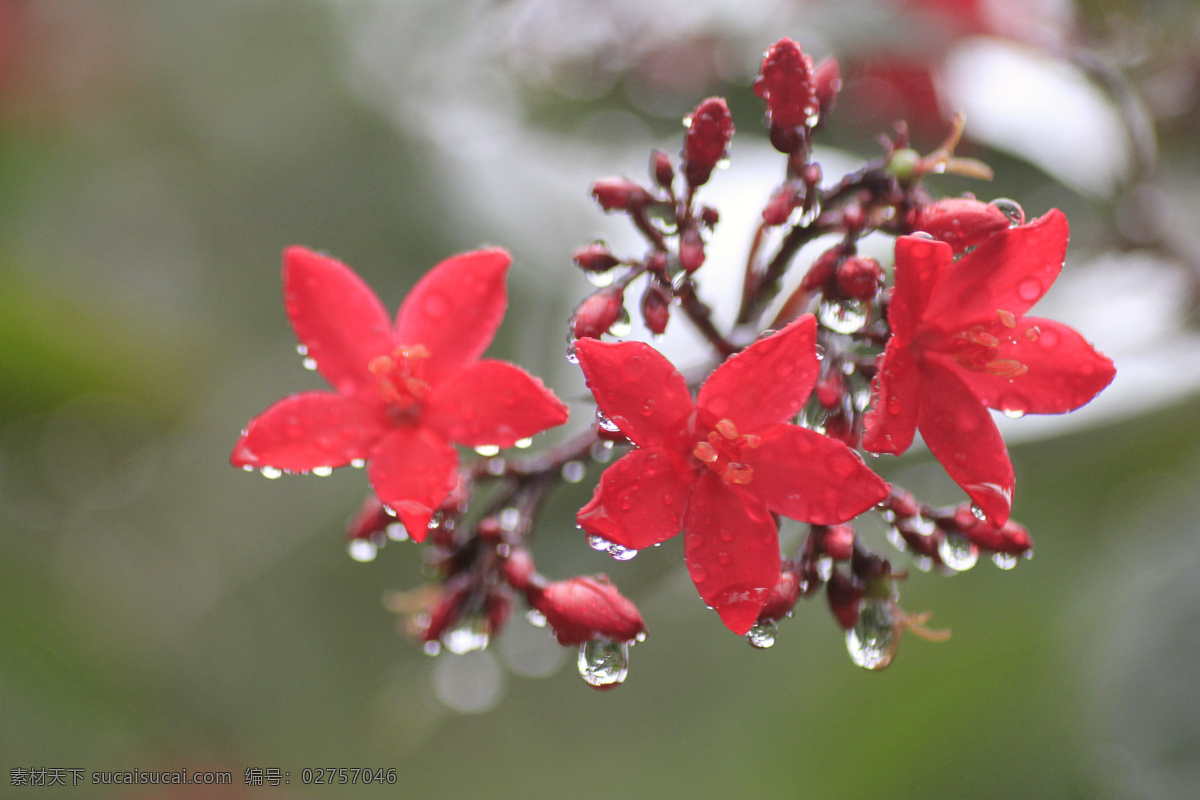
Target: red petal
(336, 316)
(960, 433)
(636, 388)
(732, 551)
(640, 499)
(455, 310)
(896, 396)
(492, 403)
(412, 470)
(309, 430)
(767, 382)
(1065, 372)
(809, 477)
(920, 263)
(1010, 271)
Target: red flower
(405, 392)
(583, 608)
(961, 345)
(719, 467)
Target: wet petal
(640, 500)
(1009, 272)
(767, 382)
(636, 387)
(492, 403)
(1064, 371)
(336, 317)
(310, 430)
(455, 309)
(920, 264)
(959, 431)
(891, 422)
(732, 551)
(809, 477)
(412, 470)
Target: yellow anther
(727, 429)
(1006, 368)
(1007, 318)
(738, 473)
(706, 452)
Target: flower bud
(845, 597)
(823, 271)
(596, 257)
(707, 140)
(583, 608)
(859, 278)
(596, 314)
(709, 217)
(1011, 538)
(787, 85)
(371, 518)
(838, 541)
(784, 596)
(656, 307)
(691, 250)
(661, 169)
(781, 205)
(618, 194)
(518, 569)
(960, 222)
(828, 80)
(831, 389)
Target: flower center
(398, 375)
(977, 349)
(722, 452)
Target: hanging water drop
(572, 356)
(358, 463)
(978, 513)
(522, 444)
(603, 663)
(957, 552)
(872, 641)
(322, 472)
(601, 279)
(762, 634)
(469, 635)
(619, 552)
(362, 550)
(432, 648)
(270, 473)
(487, 450)
(310, 364)
(302, 350)
(1005, 561)
(843, 316)
(623, 325)
(536, 618)
(605, 423)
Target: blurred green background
(161, 610)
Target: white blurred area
(526, 186)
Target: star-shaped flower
(720, 466)
(961, 345)
(405, 393)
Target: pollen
(723, 451)
(1006, 368)
(1007, 318)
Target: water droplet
(602, 452)
(247, 468)
(623, 324)
(1005, 561)
(509, 519)
(572, 356)
(1029, 289)
(358, 463)
(978, 513)
(957, 552)
(310, 364)
(270, 473)
(1014, 413)
(496, 466)
(362, 550)
(843, 316)
(606, 423)
(322, 472)
(872, 641)
(522, 444)
(762, 634)
(536, 618)
(397, 532)
(1011, 209)
(923, 563)
(603, 663)
(433, 648)
(896, 540)
(469, 635)
(824, 567)
(487, 450)
(601, 279)
(573, 471)
(302, 350)
(619, 552)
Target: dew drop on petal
(310, 364)
(957, 552)
(1029, 289)
(762, 634)
(603, 663)
(572, 356)
(573, 471)
(1011, 209)
(362, 550)
(322, 472)
(487, 450)
(522, 444)
(1005, 561)
(358, 463)
(872, 641)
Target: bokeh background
(161, 610)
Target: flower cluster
(856, 357)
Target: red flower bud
(845, 598)
(709, 217)
(838, 542)
(784, 596)
(960, 222)
(1011, 538)
(618, 194)
(656, 307)
(691, 250)
(821, 274)
(707, 139)
(831, 389)
(584, 608)
(519, 570)
(497, 606)
(370, 519)
(661, 169)
(859, 278)
(787, 85)
(828, 80)
(781, 205)
(596, 257)
(596, 314)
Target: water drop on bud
(604, 663)
(470, 634)
(872, 641)
(957, 552)
(1010, 209)
(762, 634)
(708, 135)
